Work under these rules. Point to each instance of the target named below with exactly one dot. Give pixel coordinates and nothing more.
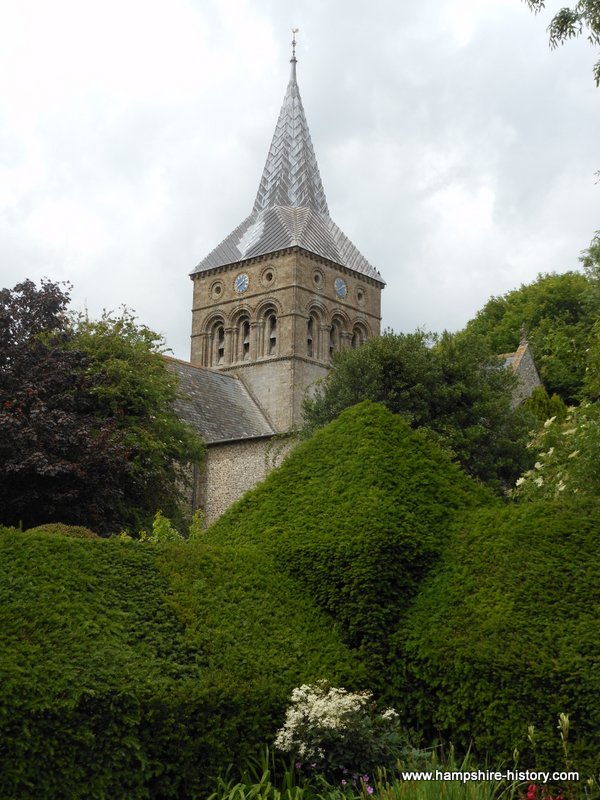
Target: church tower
(286, 289)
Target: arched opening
(313, 334)
(335, 336)
(242, 338)
(310, 336)
(218, 343)
(271, 333)
(359, 336)
(245, 336)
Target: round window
(216, 290)
(268, 276)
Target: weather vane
(294, 32)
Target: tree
(558, 312)
(590, 259)
(87, 432)
(455, 388)
(566, 457)
(134, 388)
(569, 23)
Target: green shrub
(567, 463)
(356, 514)
(54, 528)
(341, 736)
(163, 530)
(504, 635)
(130, 671)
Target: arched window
(359, 336)
(271, 333)
(310, 334)
(245, 339)
(335, 337)
(314, 348)
(242, 338)
(218, 343)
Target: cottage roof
(216, 405)
(290, 209)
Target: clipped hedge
(77, 531)
(357, 514)
(135, 671)
(506, 634)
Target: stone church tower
(286, 289)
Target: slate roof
(218, 406)
(290, 209)
(513, 360)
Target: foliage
(138, 672)
(590, 261)
(53, 528)
(357, 514)
(135, 388)
(26, 312)
(543, 407)
(87, 432)
(340, 735)
(451, 386)
(196, 526)
(163, 530)
(591, 384)
(504, 635)
(569, 23)
(590, 258)
(57, 460)
(558, 313)
(266, 779)
(567, 463)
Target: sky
(457, 151)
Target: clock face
(341, 289)
(241, 282)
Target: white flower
(389, 713)
(539, 481)
(569, 432)
(549, 422)
(520, 481)
(573, 454)
(538, 465)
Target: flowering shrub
(341, 735)
(535, 792)
(567, 457)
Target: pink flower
(369, 790)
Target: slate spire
(291, 175)
(290, 209)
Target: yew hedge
(506, 634)
(135, 671)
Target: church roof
(290, 209)
(216, 405)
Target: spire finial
(293, 59)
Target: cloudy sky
(456, 150)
